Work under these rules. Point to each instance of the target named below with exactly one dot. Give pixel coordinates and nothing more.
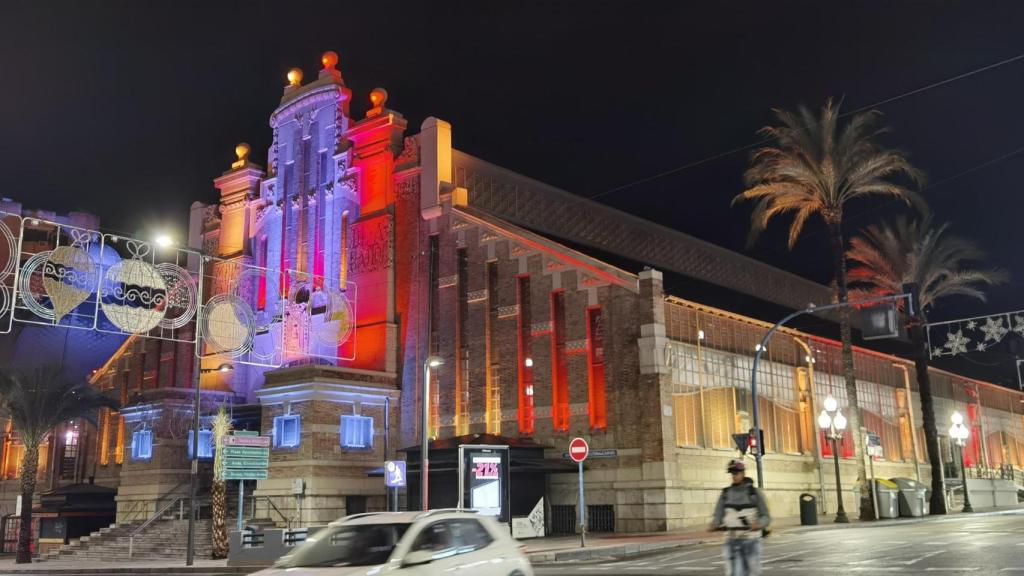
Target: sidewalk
(612, 546)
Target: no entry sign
(578, 449)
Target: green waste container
(808, 510)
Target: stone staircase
(161, 540)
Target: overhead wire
(759, 142)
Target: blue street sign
(394, 474)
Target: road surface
(976, 546)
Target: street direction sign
(394, 474)
(602, 453)
(246, 452)
(578, 449)
(246, 462)
(258, 441)
(245, 474)
(246, 433)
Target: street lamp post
(832, 422)
(960, 433)
(430, 362)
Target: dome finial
(295, 77)
(242, 151)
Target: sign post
(578, 450)
(245, 456)
(873, 442)
(394, 477)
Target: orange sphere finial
(295, 77)
(378, 96)
(329, 59)
(242, 151)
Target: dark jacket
(742, 496)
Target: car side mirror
(418, 557)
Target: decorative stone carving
(541, 328)
(410, 153)
(408, 189)
(508, 311)
(576, 346)
(447, 281)
(476, 296)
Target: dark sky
(129, 109)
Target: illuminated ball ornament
(378, 96)
(295, 77)
(242, 151)
(134, 297)
(329, 60)
(69, 276)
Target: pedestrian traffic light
(755, 442)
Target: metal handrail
(271, 505)
(159, 513)
(133, 511)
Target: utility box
(888, 498)
(914, 497)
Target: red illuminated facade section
(596, 400)
(524, 366)
(559, 369)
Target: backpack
(755, 497)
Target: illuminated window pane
(286, 431)
(356, 432)
(205, 444)
(142, 445)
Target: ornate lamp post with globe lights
(960, 433)
(833, 423)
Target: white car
(407, 544)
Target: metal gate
(9, 529)
(601, 518)
(563, 519)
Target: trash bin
(808, 510)
(888, 498)
(913, 497)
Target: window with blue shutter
(142, 445)
(286, 431)
(205, 444)
(357, 432)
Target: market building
(400, 247)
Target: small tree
(888, 257)
(36, 402)
(221, 428)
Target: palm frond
(40, 399)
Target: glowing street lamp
(833, 423)
(428, 363)
(163, 240)
(960, 434)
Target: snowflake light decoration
(956, 343)
(994, 329)
(1018, 324)
(972, 324)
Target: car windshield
(346, 545)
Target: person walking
(743, 514)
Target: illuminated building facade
(440, 253)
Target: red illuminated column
(376, 139)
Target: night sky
(129, 109)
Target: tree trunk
(839, 265)
(29, 469)
(931, 433)
(220, 513)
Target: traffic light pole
(812, 309)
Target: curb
(957, 516)
(616, 552)
(114, 569)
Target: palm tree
(221, 428)
(887, 258)
(37, 401)
(813, 169)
